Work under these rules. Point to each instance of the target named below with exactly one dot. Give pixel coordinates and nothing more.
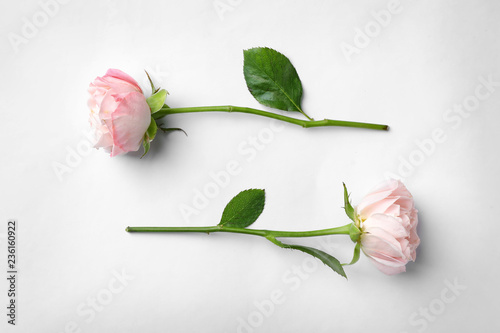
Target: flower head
(119, 113)
(388, 220)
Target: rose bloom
(119, 113)
(388, 220)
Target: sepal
(157, 100)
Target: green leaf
(157, 100)
(272, 79)
(243, 209)
(356, 254)
(327, 259)
(349, 210)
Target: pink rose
(388, 221)
(119, 113)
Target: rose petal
(130, 121)
(108, 106)
(389, 270)
(380, 206)
(381, 245)
(122, 77)
(119, 112)
(406, 203)
(386, 223)
(401, 190)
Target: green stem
(304, 123)
(343, 230)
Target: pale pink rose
(119, 113)
(388, 221)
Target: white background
(427, 58)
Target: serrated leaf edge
(222, 225)
(299, 108)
